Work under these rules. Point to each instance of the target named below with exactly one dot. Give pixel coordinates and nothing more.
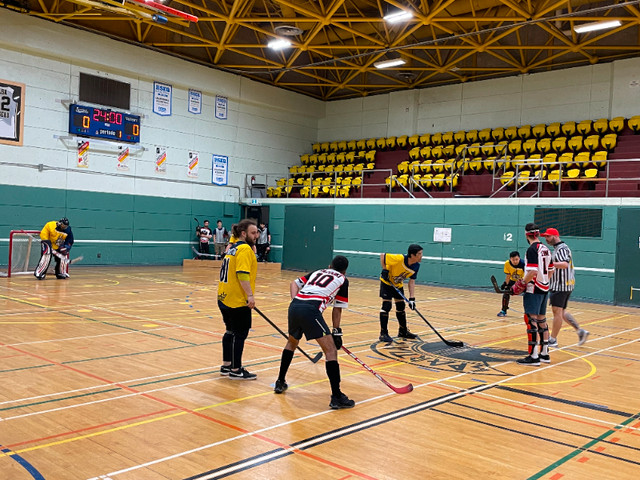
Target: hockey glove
(385, 275)
(412, 303)
(337, 337)
(519, 287)
(504, 286)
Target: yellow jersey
(50, 233)
(515, 273)
(239, 259)
(398, 269)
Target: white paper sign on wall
(442, 235)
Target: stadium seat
(530, 146)
(356, 182)
(436, 152)
(425, 152)
(311, 168)
(449, 151)
(634, 123)
(324, 147)
(544, 146)
(302, 169)
(333, 147)
(601, 126)
(352, 146)
(348, 168)
(321, 168)
(599, 158)
(609, 141)
(511, 133)
(322, 158)
(590, 173)
(414, 153)
(439, 166)
(371, 144)
(447, 138)
(473, 150)
(425, 139)
(426, 181)
(293, 170)
(315, 192)
(391, 181)
(519, 162)
(616, 124)
(559, 144)
(271, 191)
(370, 156)
(568, 129)
(502, 148)
(349, 157)
(438, 180)
(381, 143)
(436, 139)
(414, 140)
(507, 178)
(401, 142)
(484, 135)
(339, 158)
(327, 181)
(304, 159)
(475, 164)
(342, 146)
(313, 159)
(460, 136)
(315, 148)
(550, 160)
(329, 169)
(460, 149)
(497, 134)
(472, 136)
(344, 191)
(567, 160)
(553, 129)
(403, 167)
(391, 143)
(490, 164)
(426, 166)
(553, 177)
(281, 182)
(317, 181)
(575, 143)
(582, 159)
(524, 176)
(346, 181)
(462, 165)
(331, 158)
(524, 132)
(361, 144)
(592, 143)
(584, 127)
(539, 131)
(515, 147)
(540, 173)
(452, 180)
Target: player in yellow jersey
(395, 269)
(56, 240)
(235, 298)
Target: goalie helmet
(64, 221)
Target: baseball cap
(551, 232)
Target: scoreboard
(95, 122)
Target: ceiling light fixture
(394, 62)
(279, 44)
(398, 16)
(592, 27)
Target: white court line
(360, 425)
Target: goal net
(24, 251)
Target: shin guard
(45, 259)
(401, 315)
(532, 335)
(543, 331)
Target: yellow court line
(569, 380)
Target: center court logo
(438, 357)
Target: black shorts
(387, 292)
(559, 299)
(235, 319)
(304, 317)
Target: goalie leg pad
(45, 259)
(532, 334)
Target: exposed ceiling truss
(335, 43)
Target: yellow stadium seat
(462, 165)
(304, 192)
(370, 156)
(515, 147)
(425, 152)
(511, 133)
(436, 152)
(403, 167)
(414, 153)
(524, 132)
(436, 139)
(338, 168)
(271, 191)
(609, 141)
(316, 148)
(357, 168)
(592, 143)
(524, 177)
(460, 149)
(438, 180)
(414, 140)
(539, 131)
(475, 164)
(313, 159)
(381, 143)
(507, 178)
(326, 181)
(582, 159)
(425, 139)
(473, 150)
(497, 134)
(540, 173)
(553, 129)
(315, 192)
(391, 143)
(391, 181)
(484, 135)
(333, 147)
(575, 143)
(566, 159)
(616, 124)
(472, 136)
(520, 162)
(329, 169)
(331, 158)
(571, 173)
(559, 144)
(293, 170)
(425, 180)
(502, 148)
(447, 138)
(344, 191)
(317, 181)
(403, 180)
(426, 166)
(304, 159)
(352, 146)
(460, 136)
(302, 169)
(361, 144)
(568, 129)
(371, 144)
(599, 159)
(530, 146)
(324, 147)
(321, 168)
(339, 158)
(634, 123)
(449, 151)
(349, 157)
(438, 166)
(452, 180)
(356, 182)
(490, 164)
(311, 168)
(601, 126)
(346, 181)
(370, 166)
(554, 177)
(534, 160)
(544, 146)
(584, 127)
(322, 158)
(414, 167)
(590, 173)
(281, 182)
(348, 168)
(401, 142)
(358, 156)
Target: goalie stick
(494, 282)
(406, 389)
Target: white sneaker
(553, 342)
(582, 336)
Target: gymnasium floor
(113, 374)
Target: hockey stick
(405, 389)
(313, 360)
(451, 343)
(494, 282)
(71, 262)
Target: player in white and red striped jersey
(310, 296)
(535, 284)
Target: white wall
(266, 130)
(591, 92)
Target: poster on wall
(161, 159)
(220, 170)
(11, 112)
(162, 93)
(221, 107)
(83, 154)
(123, 160)
(192, 170)
(195, 102)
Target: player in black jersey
(204, 235)
(310, 296)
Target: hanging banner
(83, 154)
(221, 107)
(195, 102)
(161, 159)
(220, 170)
(192, 171)
(162, 93)
(11, 112)
(123, 160)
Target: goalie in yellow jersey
(395, 269)
(56, 240)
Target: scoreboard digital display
(104, 123)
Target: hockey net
(24, 252)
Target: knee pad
(400, 306)
(386, 306)
(241, 334)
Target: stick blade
(316, 358)
(400, 390)
(455, 343)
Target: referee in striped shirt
(562, 283)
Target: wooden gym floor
(113, 374)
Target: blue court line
(24, 464)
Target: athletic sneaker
(384, 337)
(280, 386)
(529, 360)
(224, 370)
(553, 342)
(582, 336)
(341, 401)
(545, 358)
(243, 374)
(405, 333)
(502, 313)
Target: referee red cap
(551, 232)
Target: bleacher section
(566, 159)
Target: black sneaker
(405, 333)
(545, 358)
(341, 401)
(242, 374)
(528, 360)
(224, 370)
(280, 386)
(384, 337)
